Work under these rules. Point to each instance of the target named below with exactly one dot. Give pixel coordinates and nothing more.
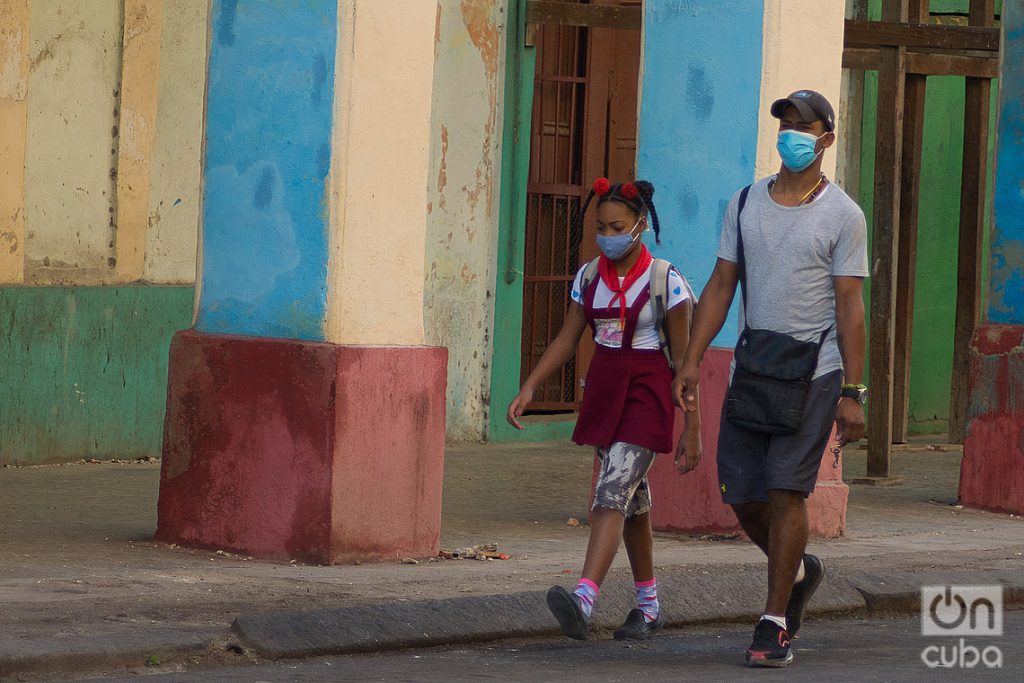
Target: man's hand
(849, 421)
(517, 406)
(688, 451)
(684, 387)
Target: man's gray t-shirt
(792, 254)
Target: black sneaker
(636, 626)
(814, 571)
(770, 646)
(567, 609)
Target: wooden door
(584, 126)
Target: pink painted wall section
(285, 449)
(389, 451)
(693, 503)
(992, 469)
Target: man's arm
(852, 335)
(708, 319)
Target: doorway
(584, 125)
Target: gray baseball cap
(811, 105)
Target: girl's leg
(606, 527)
(639, 540)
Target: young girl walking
(627, 412)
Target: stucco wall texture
(101, 109)
(462, 203)
(65, 64)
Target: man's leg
(787, 542)
(756, 520)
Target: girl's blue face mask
(617, 246)
(797, 149)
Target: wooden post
(906, 263)
(885, 246)
(972, 224)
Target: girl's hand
(688, 450)
(517, 406)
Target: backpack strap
(659, 301)
(589, 273)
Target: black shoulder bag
(773, 370)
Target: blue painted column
(992, 470)
(698, 125)
(268, 152)
(1006, 285)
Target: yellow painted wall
(112, 140)
(72, 141)
(380, 154)
(463, 185)
(14, 69)
(794, 29)
(173, 223)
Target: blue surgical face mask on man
(617, 246)
(797, 149)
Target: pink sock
(587, 591)
(647, 599)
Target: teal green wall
(508, 289)
(85, 370)
(938, 235)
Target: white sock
(781, 621)
(800, 573)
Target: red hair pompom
(602, 186)
(629, 191)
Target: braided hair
(638, 196)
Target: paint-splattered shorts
(622, 482)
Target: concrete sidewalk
(84, 590)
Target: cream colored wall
(72, 141)
(462, 222)
(378, 180)
(174, 197)
(14, 69)
(803, 48)
(112, 139)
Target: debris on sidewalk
(487, 551)
(573, 522)
(409, 560)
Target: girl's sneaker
(770, 646)
(636, 627)
(567, 610)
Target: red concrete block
(286, 449)
(692, 503)
(992, 469)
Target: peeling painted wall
(173, 222)
(88, 360)
(72, 140)
(462, 223)
(78, 140)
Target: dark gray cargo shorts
(750, 464)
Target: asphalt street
(844, 649)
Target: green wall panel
(85, 370)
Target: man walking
(797, 245)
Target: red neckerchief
(606, 268)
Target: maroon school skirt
(627, 397)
